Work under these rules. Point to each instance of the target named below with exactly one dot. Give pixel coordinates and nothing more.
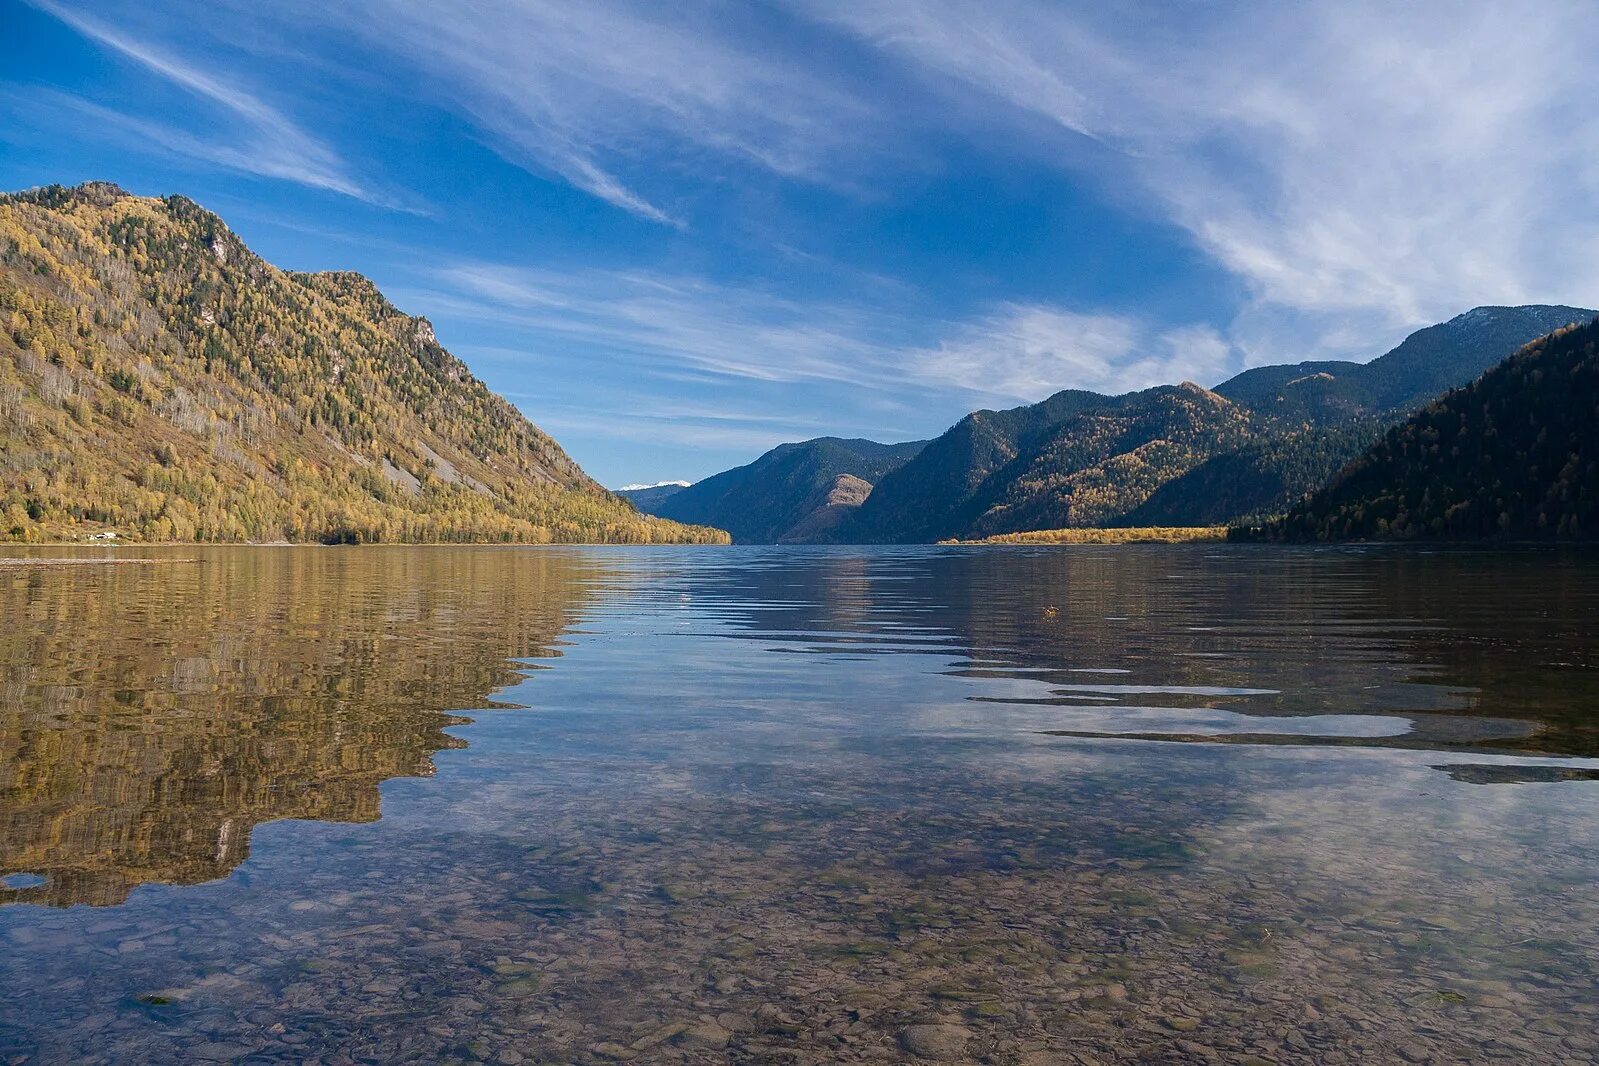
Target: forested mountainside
(793, 485)
(1098, 465)
(1259, 481)
(1078, 459)
(929, 495)
(1246, 450)
(159, 379)
(1515, 454)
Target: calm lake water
(1190, 803)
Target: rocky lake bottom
(1160, 803)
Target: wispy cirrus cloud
(680, 322)
(587, 90)
(1360, 166)
(1358, 169)
(1009, 352)
(268, 142)
(752, 434)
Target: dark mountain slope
(1318, 416)
(1515, 454)
(1078, 458)
(1258, 481)
(159, 378)
(826, 509)
(1311, 392)
(761, 502)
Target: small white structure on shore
(107, 535)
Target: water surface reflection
(151, 714)
(800, 805)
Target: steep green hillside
(159, 379)
(760, 503)
(1515, 454)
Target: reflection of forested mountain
(1305, 632)
(152, 714)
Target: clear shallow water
(1085, 804)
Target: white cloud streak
(1012, 352)
(272, 146)
(1022, 352)
(1361, 166)
(585, 89)
(679, 322)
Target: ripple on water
(933, 835)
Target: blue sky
(677, 234)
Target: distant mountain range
(1515, 454)
(795, 492)
(1174, 455)
(160, 380)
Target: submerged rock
(936, 1041)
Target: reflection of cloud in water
(1214, 722)
(1386, 829)
(854, 832)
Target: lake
(1164, 803)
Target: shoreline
(1095, 535)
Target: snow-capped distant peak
(657, 485)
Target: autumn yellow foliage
(159, 379)
(1130, 535)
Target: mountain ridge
(1427, 363)
(1282, 432)
(1241, 452)
(164, 381)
